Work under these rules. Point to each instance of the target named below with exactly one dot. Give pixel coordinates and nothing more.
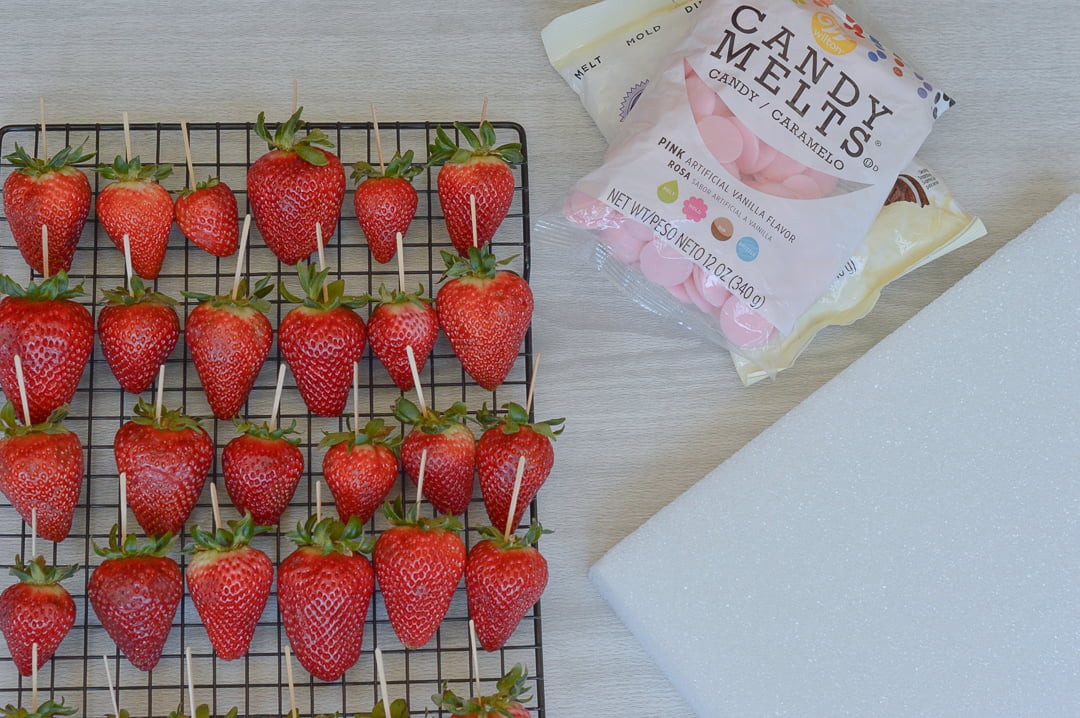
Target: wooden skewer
(483, 111)
(112, 691)
(475, 659)
(318, 501)
(532, 384)
(123, 506)
(160, 394)
(33, 677)
(472, 210)
(510, 525)
(44, 138)
(295, 104)
(33, 532)
(382, 681)
(45, 249)
(127, 137)
(400, 263)
(187, 154)
(215, 506)
(356, 397)
(322, 259)
(190, 680)
(416, 378)
(293, 712)
(420, 480)
(382, 165)
(20, 379)
(128, 271)
(240, 255)
(277, 396)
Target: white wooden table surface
(649, 409)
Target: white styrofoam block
(906, 542)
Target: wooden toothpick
(20, 379)
(381, 673)
(322, 259)
(416, 378)
(483, 111)
(160, 394)
(378, 144)
(318, 501)
(472, 211)
(356, 397)
(293, 712)
(190, 680)
(112, 691)
(33, 676)
(400, 263)
(33, 532)
(45, 250)
(420, 480)
(123, 506)
(215, 506)
(44, 138)
(510, 523)
(240, 256)
(475, 659)
(532, 384)
(127, 137)
(187, 154)
(277, 396)
(128, 271)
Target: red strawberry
(51, 334)
(138, 331)
(321, 340)
(385, 202)
(511, 690)
(208, 217)
(361, 468)
(294, 186)
(419, 563)
(166, 463)
(229, 582)
(261, 469)
(506, 439)
(135, 592)
(50, 192)
(36, 610)
(324, 590)
(136, 205)
(399, 320)
(504, 578)
(41, 467)
(482, 171)
(485, 313)
(451, 454)
(229, 340)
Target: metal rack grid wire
(256, 683)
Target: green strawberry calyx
(171, 419)
(202, 711)
(430, 421)
(396, 514)
(479, 264)
(400, 166)
(510, 689)
(445, 151)
(133, 170)
(38, 573)
(123, 714)
(513, 541)
(138, 295)
(255, 300)
(374, 433)
(128, 547)
(312, 280)
(48, 709)
(285, 138)
(329, 535)
(516, 417)
(54, 424)
(49, 289)
(236, 536)
(398, 709)
(263, 431)
(61, 161)
(390, 297)
(208, 183)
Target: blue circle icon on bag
(747, 249)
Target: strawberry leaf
(39, 573)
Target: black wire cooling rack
(257, 684)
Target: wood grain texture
(649, 409)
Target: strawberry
(208, 217)
(135, 592)
(398, 709)
(361, 468)
(482, 171)
(505, 440)
(36, 610)
(398, 320)
(324, 590)
(293, 186)
(419, 563)
(166, 462)
(229, 340)
(451, 454)
(321, 340)
(511, 690)
(485, 312)
(51, 334)
(385, 202)
(48, 709)
(138, 331)
(229, 582)
(41, 467)
(49, 192)
(136, 205)
(504, 578)
(262, 468)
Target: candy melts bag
(724, 171)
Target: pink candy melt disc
(742, 325)
(624, 247)
(664, 265)
(722, 137)
(710, 288)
